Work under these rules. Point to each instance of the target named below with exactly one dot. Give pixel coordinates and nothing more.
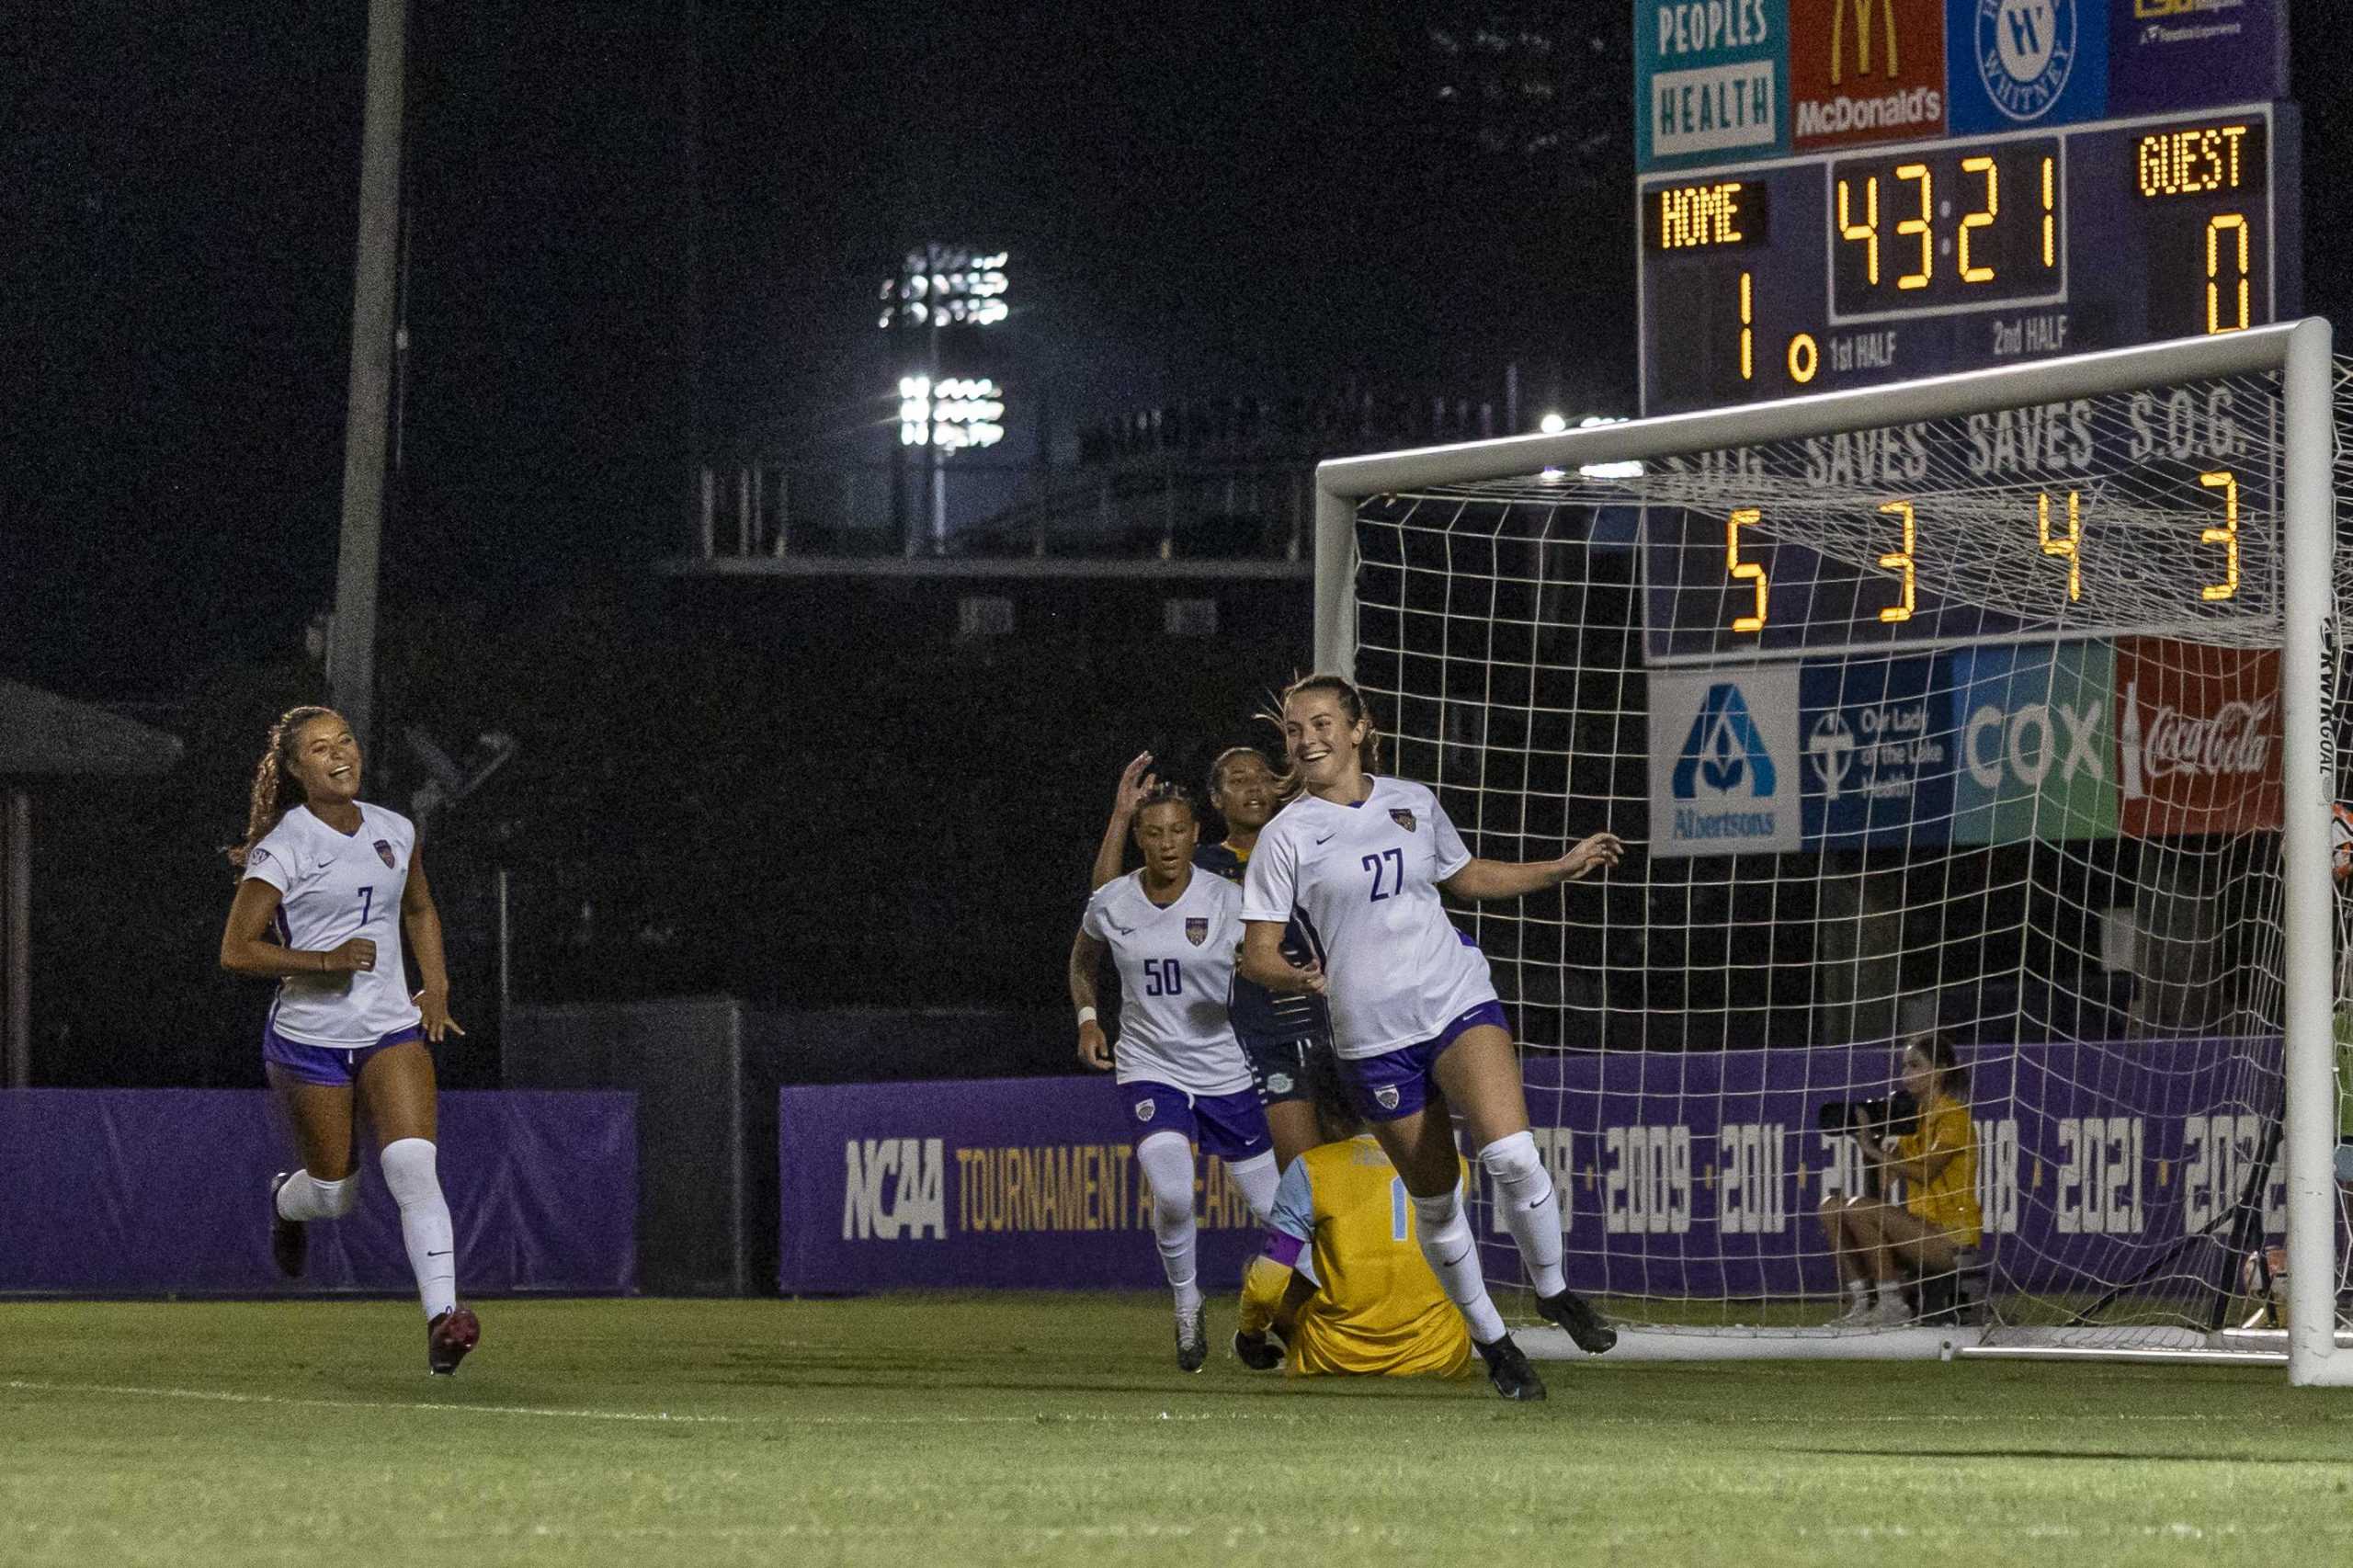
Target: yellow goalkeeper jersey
(1379, 1309)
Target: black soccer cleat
(1259, 1352)
(447, 1338)
(289, 1242)
(1193, 1340)
(1508, 1368)
(1572, 1312)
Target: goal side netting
(2002, 705)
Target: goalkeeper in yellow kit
(1341, 1284)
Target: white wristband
(1086, 1016)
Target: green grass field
(914, 1431)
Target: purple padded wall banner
(1682, 1175)
(148, 1191)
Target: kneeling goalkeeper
(1362, 1299)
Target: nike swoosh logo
(444, 1253)
(1329, 836)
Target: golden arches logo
(1863, 13)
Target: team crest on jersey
(384, 853)
(1143, 1110)
(1385, 1096)
(1403, 819)
(1197, 929)
(256, 855)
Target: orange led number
(1744, 570)
(2227, 536)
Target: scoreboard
(1856, 266)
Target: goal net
(2001, 705)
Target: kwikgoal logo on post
(1723, 762)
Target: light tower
(939, 289)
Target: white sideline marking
(222, 1397)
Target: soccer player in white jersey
(329, 884)
(1172, 930)
(1420, 1035)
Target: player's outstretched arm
(1516, 879)
(1136, 781)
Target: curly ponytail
(276, 790)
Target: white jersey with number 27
(331, 888)
(1363, 882)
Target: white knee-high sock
(1167, 1161)
(1257, 1178)
(304, 1196)
(1444, 1232)
(1532, 1210)
(409, 1173)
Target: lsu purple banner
(1701, 1174)
(1692, 1175)
(1011, 1182)
(144, 1191)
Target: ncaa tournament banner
(1879, 743)
(1693, 1175)
(1724, 761)
(1712, 81)
(1699, 1175)
(1866, 70)
(1016, 1182)
(2015, 64)
(2164, 55)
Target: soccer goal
(2002, 704)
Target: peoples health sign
(1731, 80)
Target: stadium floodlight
(950, 415)
(946, 286)
(1915, 686)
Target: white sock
(1858, 1291)
(1892, 1290)
(1167, 1161)
(1257, 1178)
(304, 1196)
(1444, 1232)
(425, 1221)
(1532, 1210)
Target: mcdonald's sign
(1866, 70)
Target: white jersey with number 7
(331, 888)
(1363, 882)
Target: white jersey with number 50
(332, 888)
(1176, 970)
(1362, 880)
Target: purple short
(1232, 1127)
(1397, 1083)
(335, 1066)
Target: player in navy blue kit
(1360, 862)
(1172, 931)
(1280, 1033)
(329, 886)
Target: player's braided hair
(276, 790)
(1351, 702)
(1167, 793)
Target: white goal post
(2295, 614)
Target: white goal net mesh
(1969, 726)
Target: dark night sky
(1197, 200)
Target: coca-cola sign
(2197, 738)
